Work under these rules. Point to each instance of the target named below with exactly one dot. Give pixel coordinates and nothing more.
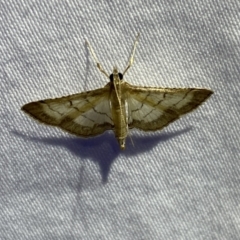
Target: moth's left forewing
(152, 109)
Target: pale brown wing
(84, 114)
(152, 109)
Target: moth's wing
(152, 109)
(84, 114)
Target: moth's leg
(99, 66)
(131, 59)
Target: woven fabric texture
(179, 183)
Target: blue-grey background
(180, 183)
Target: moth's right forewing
(84, 114)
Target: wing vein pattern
(151, 109)
(84, 114)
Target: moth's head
(115, 74)
(115, 70)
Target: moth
(119, 106)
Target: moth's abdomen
(119, 119)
